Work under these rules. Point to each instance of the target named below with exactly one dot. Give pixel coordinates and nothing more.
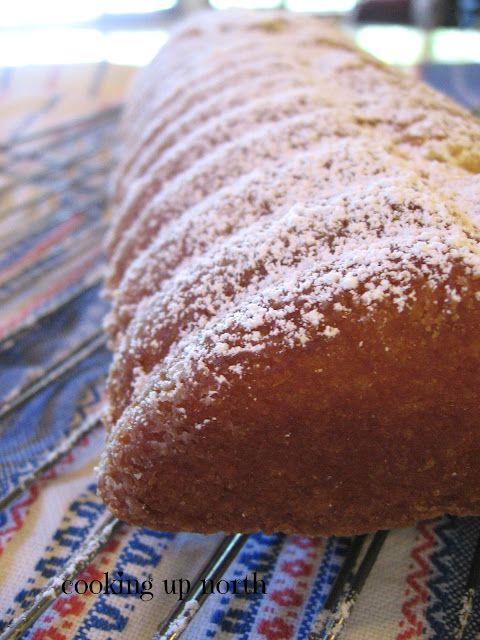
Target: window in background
(321, 6)
(246, 4)
(70, 32)
(135, 48)
(30, 13)
(453, 45)
(70, 45)
(135, 6)
(393, 44)
(310, 6)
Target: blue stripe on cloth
(29, 119)
(84, 511)
(450, 562)
(37, 426)
(144, 549)
(234, 615)
(335, 551)
(51, 337)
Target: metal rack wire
(41, 181)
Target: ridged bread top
(272, 181)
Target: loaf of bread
(294, 271)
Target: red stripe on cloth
(280, 613)
(19, 511)
(70, 609)
(34, 254)
(45, 296)
(414, 606)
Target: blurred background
(404, 32)
(62, 59)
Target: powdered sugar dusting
(262, 229)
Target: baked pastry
(294, 270)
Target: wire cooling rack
(55, 183)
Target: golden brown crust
(374, 436)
